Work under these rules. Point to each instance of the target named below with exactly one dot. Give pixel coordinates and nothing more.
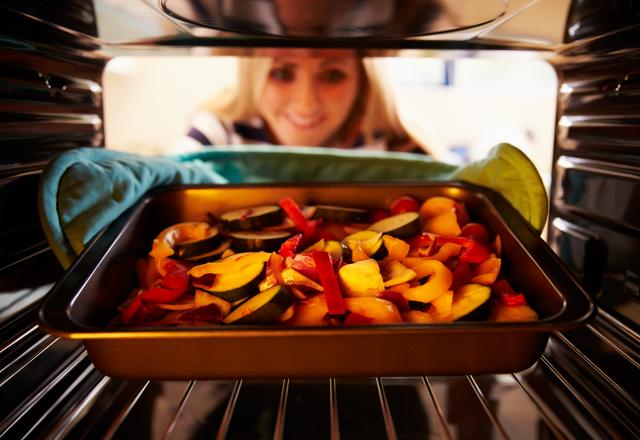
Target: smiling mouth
(303, 121)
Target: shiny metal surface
(582, 387)
(585, 385)
(82, 304)
(595, 191)
(334, 18)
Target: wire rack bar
(15, 340)
(611, 433)
(597, 370)
(619, 325)
(436, 405)
(124, 412)
(613, 345)
(228, 413)
(334, 421)
(176, 415)
(68, 421)
(483, 400)
(278, 432)
(27, 357)
(548, 417)
(386, 412)
(70, 389)
(40, 392)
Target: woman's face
(308, 96)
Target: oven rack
(584, 386)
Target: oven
(585, 385)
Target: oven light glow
(566, 89)
(565, 122)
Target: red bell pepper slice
(378, 214)
(506, 295)
(420, 241)
(462, 216)
(172, 285)
(293, 211)
(354, 318)
(131, 310)
(404, 204)
(396, 298)
(475, 231)
(289, 247)
(160, 295)
(305, 264)
(176, 278)
(473, 251)
(461, 275)
(332, 294)
(512, 300)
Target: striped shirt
(207, 130)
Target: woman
(303, 97)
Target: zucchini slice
(340, 214)
(212, 255)
(198, 246)
(234, 286)
(249, 241)
(471, 303)
(401, 226)
(256, 217)
(265, 307)
(369, 241)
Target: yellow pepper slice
(394, 273)
(435, 206)
(396, 249)
(487, 272)
(443, 224)
(439, 282)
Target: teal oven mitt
(82, 191)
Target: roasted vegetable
(198, 246)
(164, 244)
(403, 225)
(365, 245)
(263, 308)
(362, 278)
(438, 283)
(325, 265)
(341, 214)
(250, 241)
(236, 285)
(253, 218)
(471, 303)
(229, 265)
(212, 255)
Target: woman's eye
(280, 74)
(333, 76)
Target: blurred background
(459, 107)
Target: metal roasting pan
(81, 304)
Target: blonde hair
(373, 114)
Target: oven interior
(53, 55)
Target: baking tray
(81, 304)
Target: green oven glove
(83, 190)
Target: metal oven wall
(584, 386)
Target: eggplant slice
(263, 308)
(192, 248)
(339, 214)
(251, 241)
(257, 217)
(401, 226)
